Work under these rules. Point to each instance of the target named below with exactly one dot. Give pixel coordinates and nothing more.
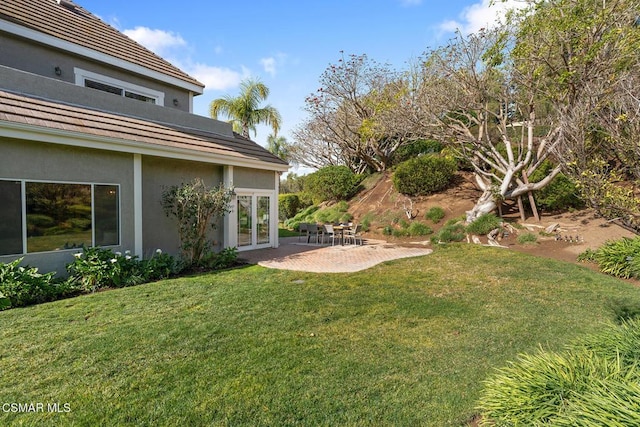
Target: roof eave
(55, 42)
(75, 139)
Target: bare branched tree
(477, 105)
(363, 112)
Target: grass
(285, 232)
(405, 343)
(527, 239)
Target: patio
(297, 255)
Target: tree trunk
(485, 204)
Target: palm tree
(244, 110)
(278, 146)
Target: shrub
(288, 206)
(435, 214)
(366, 221)
(333, 214)
(227, 257)
(306, 215)
(415, 149)
(338, 213)
(527, 238)
(620, 258)
(453, 232)
(332, 183)
(423, 175)
(419, 229)
(484, 224)
(21, 286)
(400, 232)
(406, 229)
(587, 256)
(96, 268)
(195, 206)
(4, 302)
(560, 194)
(593, 382)
(160, 266)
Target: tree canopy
(557, 80)
(355, 117)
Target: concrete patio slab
(301, 256)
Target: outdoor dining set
(321, 233)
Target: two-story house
(94, 127)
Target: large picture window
(11, 218)
(57, 216)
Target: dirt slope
(576, 230)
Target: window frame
(83, 75)
(23, 208)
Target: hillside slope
(381, 205)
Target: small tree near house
(196, 207)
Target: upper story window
(118, 87)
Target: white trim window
(118, 87)
(42, 216)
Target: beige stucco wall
(28, 160)
(160, 231)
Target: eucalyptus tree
(244, 111)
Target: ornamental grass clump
(595, 382)
(435, 214)
(620, 258)
(527, 238)
(484, 224)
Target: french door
(254, 220)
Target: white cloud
(479, 15)
(164, 43)
(269, 65)
(272, 64)
(217, 78)
(158, 41)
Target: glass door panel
(263, 219)
(244, 220)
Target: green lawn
(406, 343)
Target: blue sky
(286, 44)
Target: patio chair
(353, 233)
(314, 231)
(328, 231)
(303, 230)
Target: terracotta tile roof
(40, 113)
(78, 26)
